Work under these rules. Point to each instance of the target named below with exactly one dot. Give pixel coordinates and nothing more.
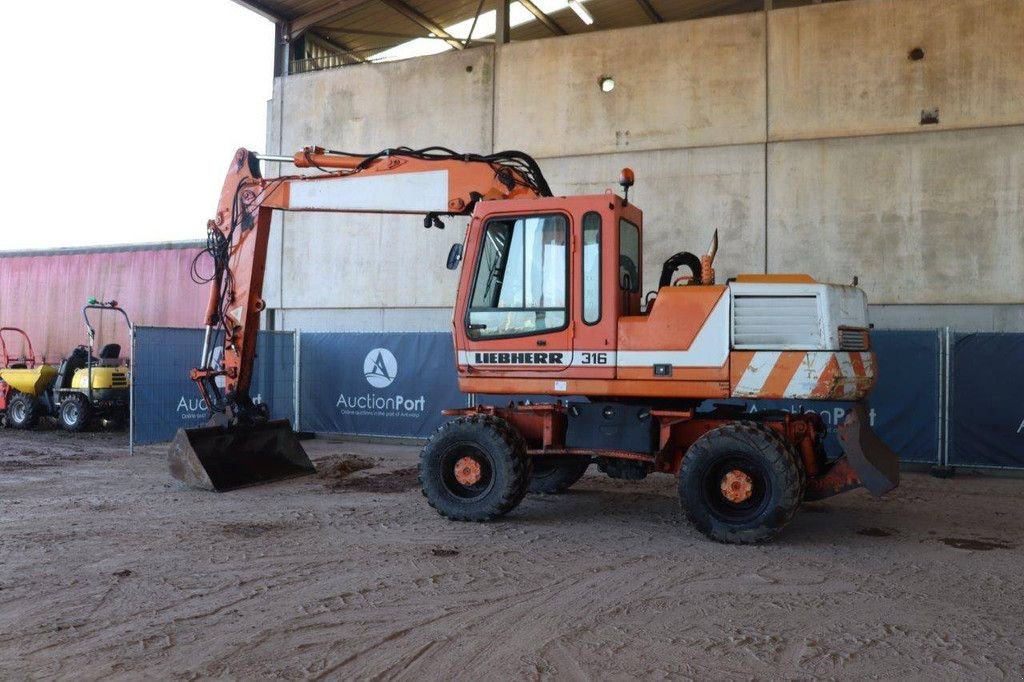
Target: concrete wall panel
(440, 100)
(680, 84)
(919, 218)
(685, 194)
(369, 319)
(360, 261)
(367, 261)
(844, 68)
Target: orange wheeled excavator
(551, 302)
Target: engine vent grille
(853, 339)
(119, 379)
(776, 322)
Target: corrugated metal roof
(356, 30)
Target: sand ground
(109, 569)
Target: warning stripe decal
(805, 375)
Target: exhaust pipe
(224, 458)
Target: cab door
(596, 290)
(518, 318)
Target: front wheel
(74, 413)
(23, 411)
(474, 469)
(740, 484)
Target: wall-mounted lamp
(607, 83)
(581, 12)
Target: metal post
(940, 406)
(131, 391)
(947, 382)
(296, 396)
(502, 29)
(282, 44)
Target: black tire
(553, 475)
(768, 473)
(492, 450)
(797, 457)
(23, 411)
(74, 413)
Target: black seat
(111, 351)
(78, 359)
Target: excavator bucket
(227, 457)
(877, 466)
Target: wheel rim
(736, 489)
(71, 413)
(737, 486)
(18, 411)
(467, 472)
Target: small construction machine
(21, 379)
(550, 302)
(79, 390)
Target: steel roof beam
(543, 18)
(649, 10)
(336, 46)
(424, 21)
(335, 9)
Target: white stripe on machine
(753, 379)
(425, 192)
(808, 374)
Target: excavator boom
(240, 445)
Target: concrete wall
(798, 136)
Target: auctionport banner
(986, 411)
(382, 384)
(166, 399)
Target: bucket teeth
(227, 457)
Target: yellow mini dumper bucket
(31, 381)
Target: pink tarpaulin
(44, 293)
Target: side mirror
(454, 256)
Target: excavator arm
(240, 445)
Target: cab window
(629, 256)
(521, 278)
(591, 268)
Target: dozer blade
(877, 466)
(227, 457)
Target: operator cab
(543, 285)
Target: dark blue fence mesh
(396, 384)
(986, 412)
(166, 399)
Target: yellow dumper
(82, 388)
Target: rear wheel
(23, 411)
(552, 475)
(740, 484)
(74, 412)
(474, 469)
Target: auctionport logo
(380, 367)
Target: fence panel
(381, 384)
(166, 399)
(987, 417)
